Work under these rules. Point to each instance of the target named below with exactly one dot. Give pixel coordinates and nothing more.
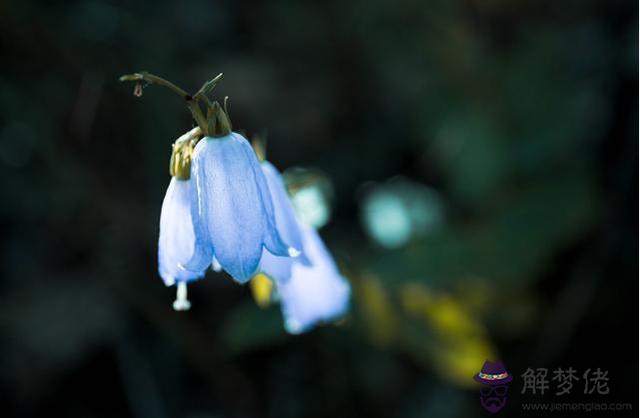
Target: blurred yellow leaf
(458, 344)
(379, 315)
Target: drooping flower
(218, 210)
(231, 208)
(310, 287)
(177, 240)
(314, 293)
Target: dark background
(520, 115)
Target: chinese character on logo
(564, 378)
(599, 382)
(535, 381)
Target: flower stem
(154, 79)
(192, 101)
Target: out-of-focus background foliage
(479, 160)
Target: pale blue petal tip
(215, 265)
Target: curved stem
(192, 101)
(154, 79)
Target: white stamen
(293, 252)
(181, 303)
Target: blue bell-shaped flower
(310, 286)
(177, 241)
(313, 293)
(232, 211)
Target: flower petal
(177, 241)
(277, 268)
(272, 239)
(314, 293)
(228, 209)
(285, 216)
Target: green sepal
(218, 123)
